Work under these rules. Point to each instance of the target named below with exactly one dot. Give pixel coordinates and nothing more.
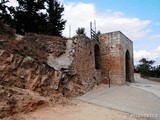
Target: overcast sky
(137, 19)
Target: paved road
(150, 86)
(141, 98)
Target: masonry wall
(84, 63)
(105, 60)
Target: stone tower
(120, 57)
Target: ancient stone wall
(105, 60)
(84, 63)
(49, 64)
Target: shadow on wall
(97, 56)
(128, 66)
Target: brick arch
(97, 56)
(128, 66)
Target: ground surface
(129, 102)
(14, 100)
(76, 110)
(141, 98)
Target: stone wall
(48, 64)
(105, 60)
(84, 63)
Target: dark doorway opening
(128, 66)
(97, 56)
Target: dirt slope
(76, 110)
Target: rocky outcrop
(15, 100)
(23, 66)
(26, 73)
(39, 63)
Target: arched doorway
(128, 66)
(97, 56)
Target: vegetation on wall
(81, 31)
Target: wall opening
(97, 56)
(128, 66)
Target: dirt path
(78, 110)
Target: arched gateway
(120, 57)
